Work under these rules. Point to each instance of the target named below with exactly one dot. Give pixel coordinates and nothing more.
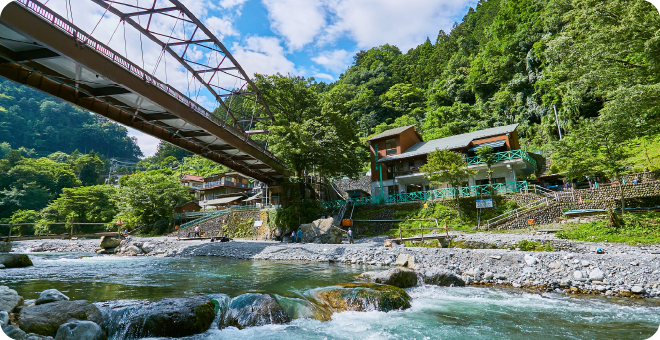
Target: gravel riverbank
(622, 271)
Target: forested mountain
(34, 120)
(510, 62)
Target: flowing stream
(437, 312)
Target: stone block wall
(213, 226)
(613, 192)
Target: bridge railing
(85, 39)
(475, 190)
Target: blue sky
(310, 38)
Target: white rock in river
(530, 260)
(585, 263)
(577, 274)
(638, 290)
(488, 276)
(555, 265)
(528, 270)
(597, 275)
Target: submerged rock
(9, 299)
(440, 277)
(50, 295)
(399, 277)
(321, 231)
(5, 247)
(80, 330)
(249, 310)
(46, 319)
(15, 260)
(176, 317)
(362, 297)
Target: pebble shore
(623, 271)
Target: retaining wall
(232, 221)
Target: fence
(485, 189)
(216, 213)
(504, 156)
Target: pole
(422, 231)
(380, 169)
(11, 226)
(557, 120)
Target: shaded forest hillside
(34, 120)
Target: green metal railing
(504, 156)
(485, 189)
(216, 213)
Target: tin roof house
(402, 151)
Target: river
(437, 312)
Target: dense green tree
(445, 166)
(146, 200)
(200, 166)
(88, 167)
(84, 204)
(25, 216)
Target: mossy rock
(46, 319)
(15, 260)
(250, 310)
(362, 297)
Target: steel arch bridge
(42, 49)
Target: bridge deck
(43, 50)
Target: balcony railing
(227, 182)
(504, 156)
(485, 189)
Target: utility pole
(379, 167)
(557, 120)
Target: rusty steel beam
(27, 23)
(25, 76)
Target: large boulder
(5, 247)
(13, 332)
(50, 295)
(176, 317)
(15, 260)
(441, 277)
(321, 231)
(249, 310)
(80, 330)
(9, 299)
(362, 297)
(399, 277)
(46, 319)
(109, 242)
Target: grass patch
(532, 246)
(637, 229)
(425, 244)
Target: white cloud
(262, 55)
(335, 61)
(405, 24)
(324, 76)
(220, 27)
(228, 4)
(298, 21)
(148, 144)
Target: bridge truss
(42, 49)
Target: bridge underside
(37, 53)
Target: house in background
(354, 188)
(402, 152)
(193, 182)
(224, 190)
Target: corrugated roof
(223, 200)
(453, 142)
(390, 132)
(192, 178)
(493, 144)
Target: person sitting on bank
(293, 236)
(300, 236)
(349, 235)
(197, 231)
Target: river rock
(402, 260)
(577, 274)
(488, 276)
(46, 319)
(321, 231)
(362, 297)
(637, 290)
(13, 332)
(530, 260)
(148, 247)
(134, 250)
(2, 266)
(250, 310)
(597, 275)
(399, 277)
(9, 299)
(175, 317)
(15, 260)
(50, 295)
(33, 336)
(5, 247)
(109, 242)
(585, 263)
(80, 330)
(529, 270)
(440, 277)
(4, 318)
(555, 265)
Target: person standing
(300, 236)
(349, 235)
(197, 231)
(293, 236)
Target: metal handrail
(504, 156)
(533, 205)
(217, 213)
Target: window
(390, 146)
